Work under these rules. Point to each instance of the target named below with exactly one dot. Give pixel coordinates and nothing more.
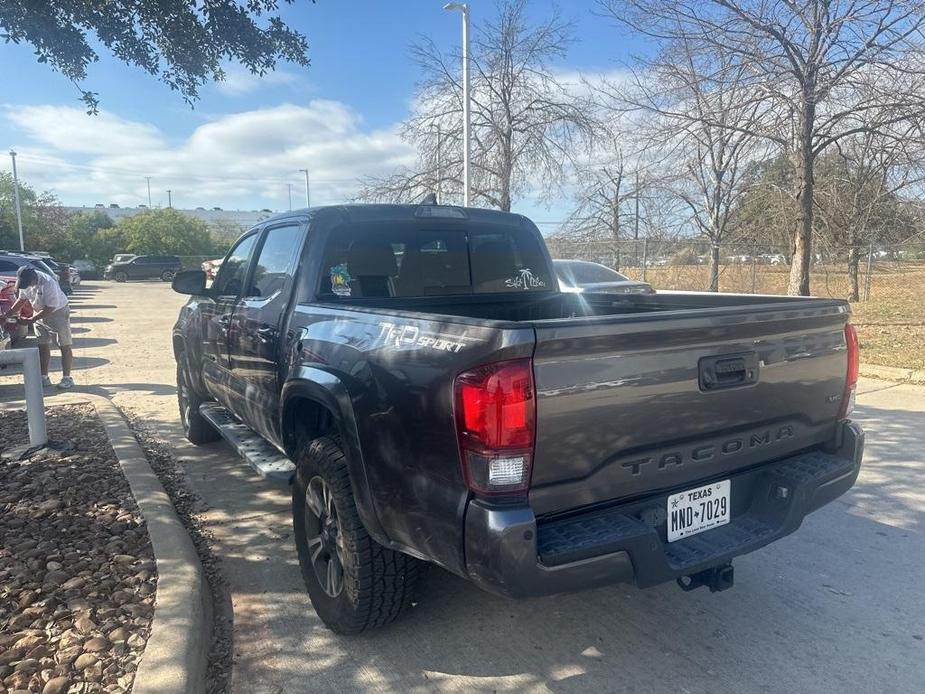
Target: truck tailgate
(633, 405)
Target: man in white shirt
(52, 315)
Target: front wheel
(119, 276)
(168, 275)
(354, 582)
(196, 428)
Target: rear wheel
(196, 427)
(119, 276)
(354, 583)
(168, 275)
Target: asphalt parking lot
(836, 607)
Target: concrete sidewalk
(836, 607)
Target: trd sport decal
(410, 336)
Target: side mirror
(191, 282)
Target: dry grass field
(891, 324)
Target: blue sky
(246, 138)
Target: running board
(260, 455)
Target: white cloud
(240, 160)
(239, 80)
(68, 129)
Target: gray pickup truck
(416, 375)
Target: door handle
(728, 371)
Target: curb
(890, 373)
(176, 653)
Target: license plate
(695, 510)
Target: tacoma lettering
(710, 451)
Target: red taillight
(495, 419)
(851, 379)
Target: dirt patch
(188, 505)
(77, 573)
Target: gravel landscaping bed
(77, 573)
(189, 506)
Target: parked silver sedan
(584, 276)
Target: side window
(230, 279)
(7, 266)
(277, 261)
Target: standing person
(52, 315)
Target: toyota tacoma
(415, 374)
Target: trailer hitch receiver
(717, 578)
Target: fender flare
(328, 391)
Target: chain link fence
(889, 281)
(753, 268)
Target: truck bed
(559, 306)
(622, 410)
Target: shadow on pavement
(90, 319)
(813, 612)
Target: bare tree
(858, 193)
(608, 202)
(821, 70)
(526, 124)
(699, 118)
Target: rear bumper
(510, 553)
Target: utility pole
(289, 188)
(636, 223)
(148, 179)
(636, 220)
(22, 241)
(308, 199)
(439, 166)
(169, 199)
(464, 8)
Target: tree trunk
(714, 268)
(803, 233)
(507, 170)
(854, 293)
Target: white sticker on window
(525, 279)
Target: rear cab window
(431, 258)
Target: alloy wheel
(324, 537)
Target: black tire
(377, 584)
(168, 275)
(119, 276)
(196, 427)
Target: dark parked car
(144, 267)
(11, 261)
(86, 268)
(578, 276)
(417, 376)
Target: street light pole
(439, 166)
(169, 199)
(308, 199)
(464, 8)
(22, 241)
(148, 179)
(289, 188)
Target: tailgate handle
(728, 371)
